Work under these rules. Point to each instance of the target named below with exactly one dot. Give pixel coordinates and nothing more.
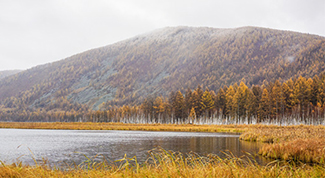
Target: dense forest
(295, 101)
(135, 71)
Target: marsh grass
(277, 134)
(304, 150)
(292, 143)
(163, 163)
(122, 126)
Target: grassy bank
(122, 126)
(169, 164)
(295, 143)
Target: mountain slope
(165, 60)
(7, 73)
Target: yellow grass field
(122, 126)
(299, 150)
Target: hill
(7, 73)
(165, 60)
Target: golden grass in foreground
(169, 164)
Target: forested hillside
(7, 73)
(159, 62)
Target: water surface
(72, 146)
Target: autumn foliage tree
(299, 100)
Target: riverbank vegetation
(123, 126)
(293, 143)
(162, 163)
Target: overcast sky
(34, 32)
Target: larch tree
(199, 109)
(316, 90)
(257, 91)
(159, 107)
(179, 105)
(188, 101)
(192, 115)
(231, 105)
(240, 100)
(264, 106)
(207, 103)
(250, 106)
(276, 100)
(220, 102)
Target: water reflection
(66, 146)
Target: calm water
(68, 146)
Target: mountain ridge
(6, 73)
(165, 60)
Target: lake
(71, 146)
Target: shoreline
(123, 126)
(298, 151)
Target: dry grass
(305, 150)
(296, 143)
(277, 134)
(122, 126)
(170, 164)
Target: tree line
(295, 101)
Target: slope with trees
(165, 60)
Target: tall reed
(163, 163)
(295, 143)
